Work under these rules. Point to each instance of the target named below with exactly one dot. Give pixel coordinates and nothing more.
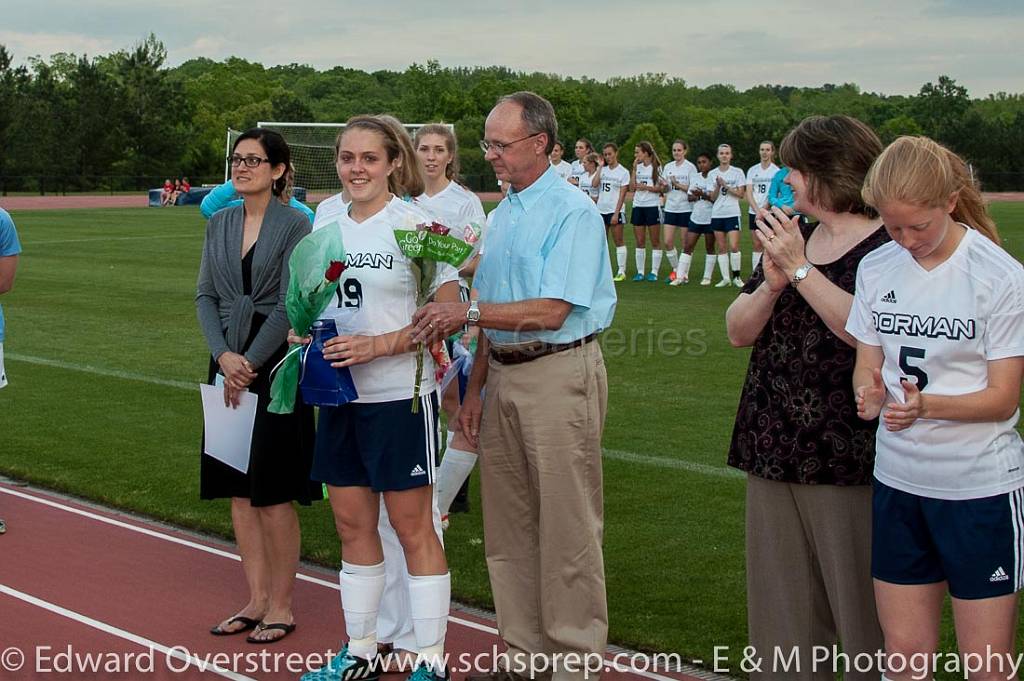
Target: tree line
(126, 120)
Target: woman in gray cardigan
(243, 278)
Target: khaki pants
(809, 577)
(543, 505)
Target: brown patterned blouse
(797, 419)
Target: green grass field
(104, 351)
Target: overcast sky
(888, 46)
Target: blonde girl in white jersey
(455, 206)
(678, 176)
(374, 446)
(941, 304)
(648, 186)
(582, 148)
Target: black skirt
(282, 449)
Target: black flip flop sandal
(278, 626)
(249, 623)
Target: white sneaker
(706, 281)
(738, 282)
(723, 283)
(678, 281)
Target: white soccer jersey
(943, 327)
(727, 205)
(379, 289)
(454, 206)
(612, 181)
(676, 200)
(563, 169)
(760, 179)
(578, 173)
(701, 214)
(641, 198)
(588, 183)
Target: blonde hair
(922, 172)
(289, 185)
(593, 158)
(451, 171)
(406, 180)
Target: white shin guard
(430, 600)
(361, 589)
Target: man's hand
(437, 321)
(469, 417)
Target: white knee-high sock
(709, 266)
(361, 589)
(620, 257)
(673, 258)
(456, 466)
(640, 256)
(736, 261)
(755, 259)
(723, 265)
(655, 260)
(429, 601)
(683, 267)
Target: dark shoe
(263, 626)
(248, 622)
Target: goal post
(312, 151)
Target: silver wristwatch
(801, 273)
(473, 313)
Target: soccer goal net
(312, 147)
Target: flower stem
(419, 379)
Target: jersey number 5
(906, 354)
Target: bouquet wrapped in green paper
(315, 265)
(426, 245)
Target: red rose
(334, 270)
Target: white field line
(208, 549)
(177, 653)
(615, 454)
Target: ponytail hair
(289, 184)
(655, 163)
(406, 179)
(922, 172)
(451, 171)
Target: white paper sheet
(228, 431)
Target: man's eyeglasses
(249, 161)
(500, 147)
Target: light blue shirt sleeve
(571, 253)
(300, 206)
(223, 196)
(9, 245)
(779, 193)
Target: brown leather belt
(531, 352)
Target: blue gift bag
(321, 384)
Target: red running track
(133, 600)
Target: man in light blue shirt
(546, 291)
(9, 250)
